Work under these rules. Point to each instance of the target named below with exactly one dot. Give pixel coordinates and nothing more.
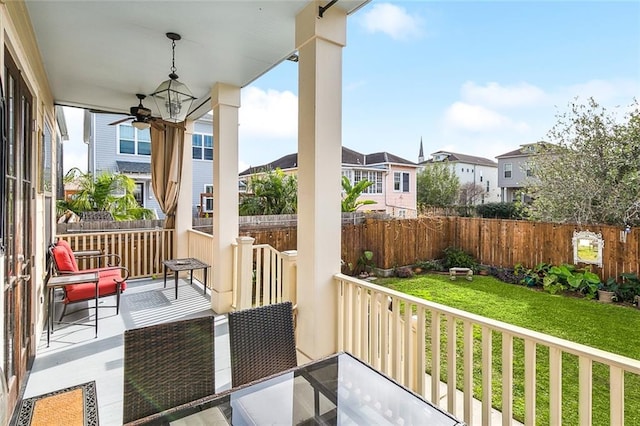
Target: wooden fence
(399, 242)
(496, 242)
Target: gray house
(514, 168)
(125, 149)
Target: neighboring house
(514, 169)
(394, 179)
(474, 173)
(124, 149)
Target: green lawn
(612, 328)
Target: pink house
(394, 179)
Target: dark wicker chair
(166, 365)
(261, 342)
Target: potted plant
(607, 290)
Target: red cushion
(85, 291)
(66, 245)
(65, 261)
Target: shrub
(404, 272)
(454, 257)
(629, 289)
(501, 211)
(430, 265)
(506, 275)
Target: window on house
(371, 176)
(138, 193)
(507, 170)
(133, 141)
(208, 201)
(401, 181)
(529, 171)
(488, 186)
(480, 178)
(201, 147)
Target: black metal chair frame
(52, 270)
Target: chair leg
(118, 299)
(64, 310)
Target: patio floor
(75, 356)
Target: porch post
(289, 276)
(184, 210)
(244, 273)
(225, 100)
(319, 42)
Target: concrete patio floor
(75, 356)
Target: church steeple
(421, 153)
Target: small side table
(186, 264)
(60, 281)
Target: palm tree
(273, 192)
(350, 202)
(110, 192)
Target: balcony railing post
(289, 282)
(245, 272)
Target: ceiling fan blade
(121, 121)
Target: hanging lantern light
(173, 98)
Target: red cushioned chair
(111, 279)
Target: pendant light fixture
(172, 97)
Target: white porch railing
(404, 337)
(263, 275)
(201, 248)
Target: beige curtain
(167, 141)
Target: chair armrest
(124, 272)
(83, 253)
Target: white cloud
(603, 91)
(477, 118)
(498, 96)
(268, 114)
(393, 21)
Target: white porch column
(184, 211)
(319, 42)
(225, 100)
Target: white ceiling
(98, 53)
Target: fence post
(245, 272)
(289, 279)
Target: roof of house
(523, 151)
(349, 157)
(454, 157)
(133, 167)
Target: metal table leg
(176, 282)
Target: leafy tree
(110, 192)
(350, 202)
(271, 192)
(438, 185)
(591, 171)
(501, 210)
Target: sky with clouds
(477, 78)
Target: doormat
(75, 405)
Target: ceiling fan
(140, 115)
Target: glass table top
(338, 390)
